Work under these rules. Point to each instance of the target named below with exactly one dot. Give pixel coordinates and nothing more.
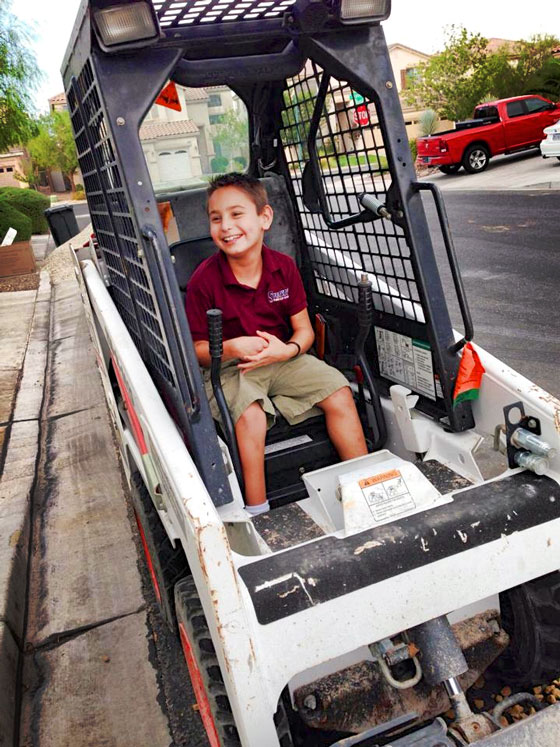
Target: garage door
(174, 165)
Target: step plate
(286, 526)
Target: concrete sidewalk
(74, 646)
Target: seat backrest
(189, 208)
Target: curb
(16, 488)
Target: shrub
(219, 164)
(240, 162)
(428, 122)
(12, 218)
(413, 148)
(79, 193)
(30, 203)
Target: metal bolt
(121, 121)
(302, 470)
(310, 702)
(388, 84)
(140, 253)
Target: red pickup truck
(498, 127)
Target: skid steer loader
(368, 600)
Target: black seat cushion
(188, 255)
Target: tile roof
(195, 94)
(59, 98)
(496, 44)
(156, 129)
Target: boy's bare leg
(343, 424)
(250, 430)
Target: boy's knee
(253, 417)
(342, 399)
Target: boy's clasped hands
(261, 350)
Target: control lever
(216, 347)
(365, 322)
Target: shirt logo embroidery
(281, 295)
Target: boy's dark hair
(249, 184)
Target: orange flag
(469, 376)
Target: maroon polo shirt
(268, 307)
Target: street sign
(357, 98)
(361, 115)
(169, 97)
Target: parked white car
(550, 146)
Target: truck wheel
(166, 564)
(476, 159)
(451, 168)
(531, 616)
(205, 674)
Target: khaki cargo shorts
(294, 387)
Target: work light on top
(126, 23)
(354, 11)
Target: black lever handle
(365, 322)
(216, 346)
(365, 304)
(215, 333)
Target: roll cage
(300, 71)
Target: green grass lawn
(332, 162)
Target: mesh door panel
(352, 160)
(114, 225)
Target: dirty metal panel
(97, 688)
(441, 477)
(337, 567)
(286, 526)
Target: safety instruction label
(406, 361)
(387, 495)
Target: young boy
(267, 333)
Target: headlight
(122, 24)
(353, 11)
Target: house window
(214, 99)
(215, 118)
(408, 76)
(1, 170)
(9, 168)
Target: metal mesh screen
(114, 225)
(352, 160)
(179, 13)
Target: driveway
(527, 170)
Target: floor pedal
(286, 526)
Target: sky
(417, 25)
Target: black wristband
(298, 346)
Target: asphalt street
(509, 254)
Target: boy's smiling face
(235, 225)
